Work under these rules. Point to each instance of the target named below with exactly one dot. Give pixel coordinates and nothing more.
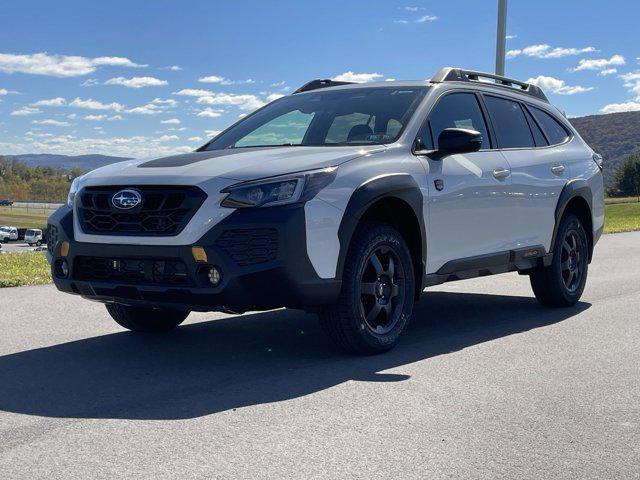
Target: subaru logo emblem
(126, 199)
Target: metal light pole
(501, 36)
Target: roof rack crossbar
(449, 74)
(318, 83)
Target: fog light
(64, 269)
(215, 276)
(61, 268)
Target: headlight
(286, 189)
(73, 190)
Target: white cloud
(168, 138)
(4, 91)
(621, 107)
(135, 146)
(413, 9)
(212, 133)
(175, 68)
(114, 118)
(148, 109)
(26, 111)
(632, 82)
(279, 84)
(608, 71)
(555, 85)
(401, 22)
(195, 139)
(224, 81)
(90, 82)
(357, 77)
(171, 121)
(136, 82)
(244, 102)
(274, 96)
(50, 121)
(51, 102)
(165, 102)
(426, 18)
(193, 92)
(599, 63)
(545, 51)
(58, 65)
(210, 113)
(91, 104)
(95, 118)
(511, 37)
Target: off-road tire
(561, 284)
(346, 322)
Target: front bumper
(285, 279)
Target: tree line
(626, 178)
(19, 182)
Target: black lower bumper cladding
(261, 254)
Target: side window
(456, 110)
(510, 123)
(555, 132)
(538, 136)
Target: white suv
(342, 199)
(8, 233)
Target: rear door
(538, 170)
(469, 206)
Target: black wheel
(377, 294)
(140, 319)
(30, 244)
(561, 284)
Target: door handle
(501, 173)
(557, 169)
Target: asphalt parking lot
(485, 384)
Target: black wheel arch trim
(574, 188)
(401, 186)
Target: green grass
(612, 200)
(23, 218)
(622, 217)
(29, 268)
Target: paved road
(486, 384)
(16, 247)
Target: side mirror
(459, 140)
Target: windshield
(354, 116)
(31, 233)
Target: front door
(469, 211)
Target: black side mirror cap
(459, 140)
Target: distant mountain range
(83, 162)
(614, 136)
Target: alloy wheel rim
(572, 261)
(381, 290)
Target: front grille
(249, 246)
(164, 210)
(131, 271)
(52, 237)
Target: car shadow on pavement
(209, 367)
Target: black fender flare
(401, 186)
(573, 189)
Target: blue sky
(69, 69)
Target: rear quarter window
(552, 128)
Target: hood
(233, 164)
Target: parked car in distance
(8, 233)
(5, 202)
(33, 236)
(347, 200)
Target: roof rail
(318, 83)
(449, 74)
